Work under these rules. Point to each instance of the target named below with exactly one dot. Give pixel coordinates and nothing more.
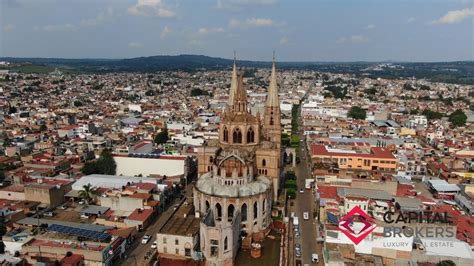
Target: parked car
(154, 245)
(146, 239)
(298, 250)
(49, 214)
(63, 207)
(301, 190)
(306, 215)
(314, 257)
(297, 234)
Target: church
(239, 174)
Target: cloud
(284, 40)
(166, 30)
(195, 42)
(353, 39)
(57, 27)
(455, 16)
(135, 45)
(151, 8)
(369, 27)
(8, 27)
(253, 23)
(411, 19)
(236, 5)
(102, 17)
(205, 31)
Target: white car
(301, 190)
(154, 245)
(306, 215)
(314, 257)
(146, 239)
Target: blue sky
(298, 30)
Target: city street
(304, 202)
(136, 253)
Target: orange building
(373, 159)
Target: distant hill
(452, 72)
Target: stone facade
(237, 175)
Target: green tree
(90, 168)
(162, 137)
(87, 192)
(198, 92)
(106, 163)
(357, 112)
(43, 127)
(291, 193)
(2, 175)
(431, 115)
(290, 175)
(458, 118)
(446, 263)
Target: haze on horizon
(299, 30)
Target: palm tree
(87, 192)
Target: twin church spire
(238, 93)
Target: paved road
(137, 251)
(304, 202)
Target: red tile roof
(327, 192)
(465, 229)
(140, 215)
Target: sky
(297, 30)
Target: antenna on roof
(234, 57)
(273, 55)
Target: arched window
(264, 205)
(207, 206)
(250, 135)
(243, 212)
(271, 121)
(237, 136)
(264, 163)
(255, 210)
(230, 212)
(226, 134)
(226, 245)
(211, 159)
(218, 211)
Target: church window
(226, 134)
(218, 211)
(211, 159)
(230, 212)
(237, 136)
(226, 244)
(255, 210)
(271, 121)
(264, 163)
(243, 211)
(264, 205)
(250, 135)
